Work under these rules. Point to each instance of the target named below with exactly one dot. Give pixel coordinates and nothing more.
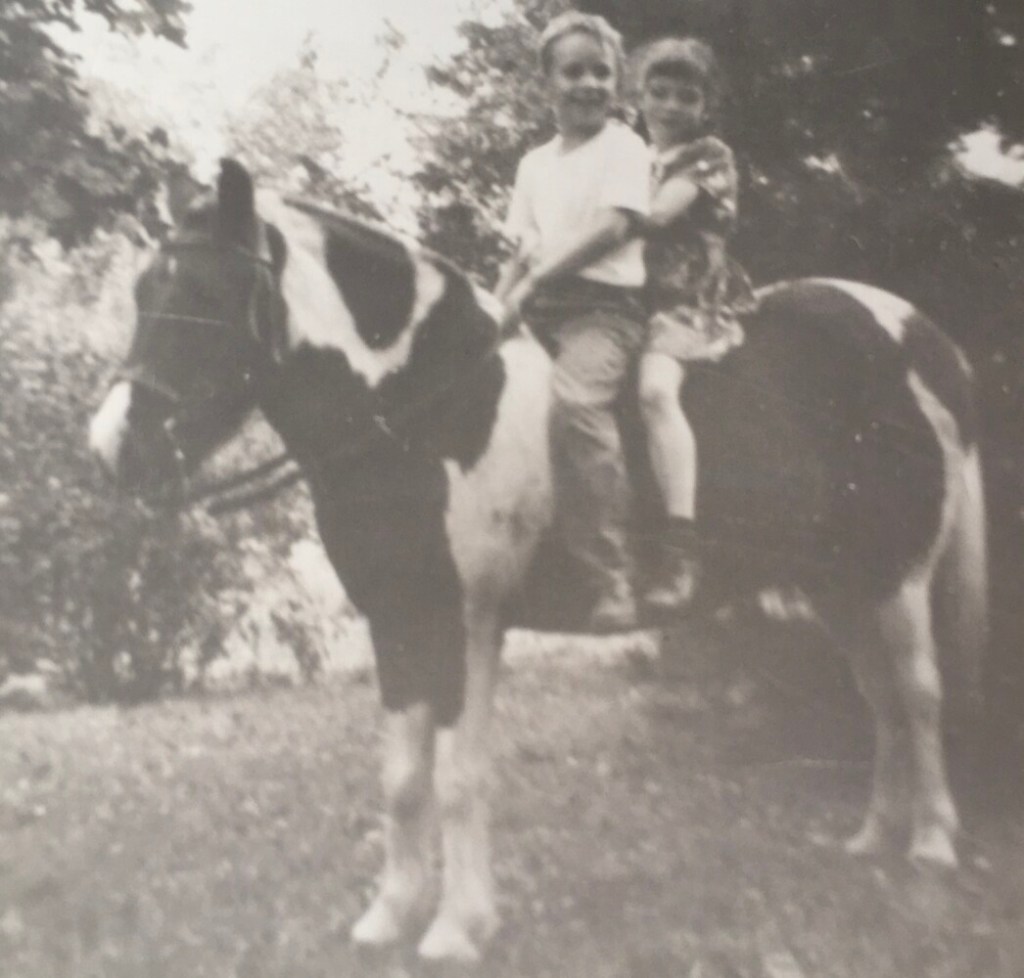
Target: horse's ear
(236, 201)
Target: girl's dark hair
(681, 57)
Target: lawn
(650, 822)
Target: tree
(842, 116)
(57, 163)
(470, 156)
(292, 136)
(846, 111)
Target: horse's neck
(329, 418)
(381, 336)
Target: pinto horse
(838, 454)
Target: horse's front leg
(403, 897)
(467, 918)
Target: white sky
(244, 41)
(237, 45)
(983, 154)
(234, 46)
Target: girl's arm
(671, 200)
(711, 175)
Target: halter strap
(171, 317)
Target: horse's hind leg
(874, 671)
(894, 660)
(408, 823)
(906, 622)
(467, 918)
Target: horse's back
(820, 458)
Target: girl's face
(582, 82)
(674, 109)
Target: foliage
(289, 134)
(844, 115)
(294, 134)
(470, 157)
(842, 124)
(121, 600)
(58, 163)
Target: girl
(575, 278)
(694, 290)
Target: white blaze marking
(110, 423)
(317, 313)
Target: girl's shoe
(615, 610)
(674, 588)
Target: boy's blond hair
(575, 22)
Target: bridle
(264, 353)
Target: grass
(646, 826)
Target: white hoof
(457, 942)
(871, 840)
(934, 847)
(379, 927)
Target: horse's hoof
(379, 927)
(457, 942)
(871, 840)
(934, 847)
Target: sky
(983, 154)
(235, 46)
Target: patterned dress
(696, 292)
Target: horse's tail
(961, 591)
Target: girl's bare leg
(673, 453)
(669, 435)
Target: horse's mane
(371, 236)
(367, 236)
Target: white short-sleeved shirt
(559, 192)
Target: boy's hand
(516, 298)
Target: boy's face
(582, 82)
(674, 109)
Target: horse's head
(337, 329)
(208, 316)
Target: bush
(114, 595)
